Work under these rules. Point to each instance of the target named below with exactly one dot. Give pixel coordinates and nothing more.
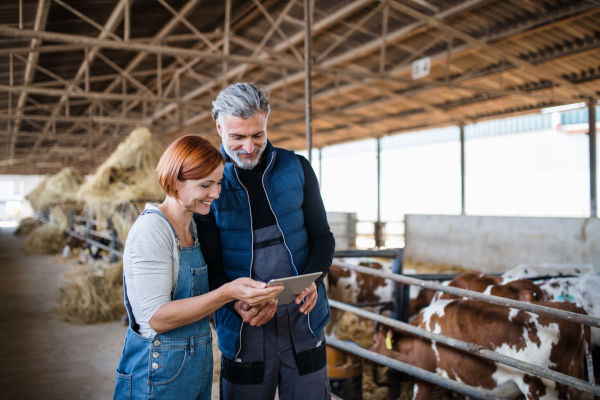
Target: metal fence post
(113, 244)
(400, 298)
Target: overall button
(154, 366)
(157, 342)
(155, 354)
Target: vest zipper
(276, 220)
(282, 234)
(251, 248)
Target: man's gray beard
(243, 164)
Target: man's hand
(311, 298)
(257, 315)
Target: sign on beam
(421, 68)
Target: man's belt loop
(192, 346)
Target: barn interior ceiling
(76, 76)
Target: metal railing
(87, 233)
(472, 348)
(401, 306)
(412, 370)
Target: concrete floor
(43, 358)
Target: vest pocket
(242, 373)
(122, 387)
(199, 280)
(312, 360)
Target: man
(271, 223)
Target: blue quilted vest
(283, 181)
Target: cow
(547, 342)
(350, 287)
(518, 289)
(578, 284)
(531, 271)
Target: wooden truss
(337, 70)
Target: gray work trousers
(280, 369)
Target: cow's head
(383, 342)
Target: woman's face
(197, 196)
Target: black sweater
(320, 238)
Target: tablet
(293, 286)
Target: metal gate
(401, 300)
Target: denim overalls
(177, 364)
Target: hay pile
(126, 177)
(92, 293)
(34, 197)
(60, 188)
(360, 331)
(57, 194)
(45, 239)
(26, 225)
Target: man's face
(244, 140)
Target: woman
(167, 352)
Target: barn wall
(496, 244)
(343, 227)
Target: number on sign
(421, 68)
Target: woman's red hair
(189, 157)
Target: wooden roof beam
(41, 19)
(402, 69)
(164, 32)
(98, 96)
(111, 24)
(296, 38)
(498, 52)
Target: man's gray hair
(241, 100)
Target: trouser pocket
(122, 387)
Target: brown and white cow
(540, 340)
(350, 287)
(519, 289)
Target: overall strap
(194, 232)
(150, 211)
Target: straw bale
(122, 222)
(26, 225)
(60, 188)
(59, 215)
(45, 239)
(92, 293)
(129, 174)
(34, 196)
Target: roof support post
(226, 37)
(41, 18)
(384, 29)
(378, 225)
(462, 169)
(592, 138)
(320, 167)
(307, 71)
(91, 143)
(126, 22)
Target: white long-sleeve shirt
(150, 266)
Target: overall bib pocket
(166, 365)
(198, 276)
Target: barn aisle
(43, 358)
